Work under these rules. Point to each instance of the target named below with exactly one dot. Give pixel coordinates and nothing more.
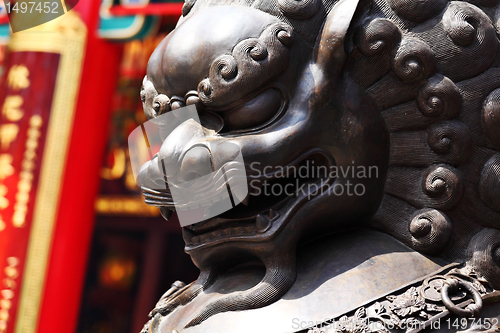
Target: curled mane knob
(420, 227)
(489, 184)
(484, 254)
(435, 185)
(380, 35)
(461, 30)
(177, 102)
(284, 33)
(205, 91)
(467, 24)
(161, 105)
(299, 9)
(453, 139)
(417, 11)
(430, 230)
(226, 66)
(252, 63)
(444, 185)
(414, 61)
(469, 44)
(491, 117)
(192, 97)
(256, 49)
(439, 97)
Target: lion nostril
(196, 163)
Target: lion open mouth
(269, 196)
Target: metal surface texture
(406, 89)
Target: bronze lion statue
(390, 112)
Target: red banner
(26, 104)
(37, 103)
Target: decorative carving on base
(458, 292)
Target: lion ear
(330, 51)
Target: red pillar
(74, 224)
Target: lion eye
(143, 95)
(255, 112)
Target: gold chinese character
(18, 77)
(6, 168)
(24, 186)
(5, 304)
(36, 121)
(22, 197)
(12, 108)
(9, 283)
(4, 202)
(11, 272)
(28, 165)
(7, 294)
(13, 261)
(8, 133)
(4, 315)
(19, 217)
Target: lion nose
(196, 163)
(185, 155)
(151, 176)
